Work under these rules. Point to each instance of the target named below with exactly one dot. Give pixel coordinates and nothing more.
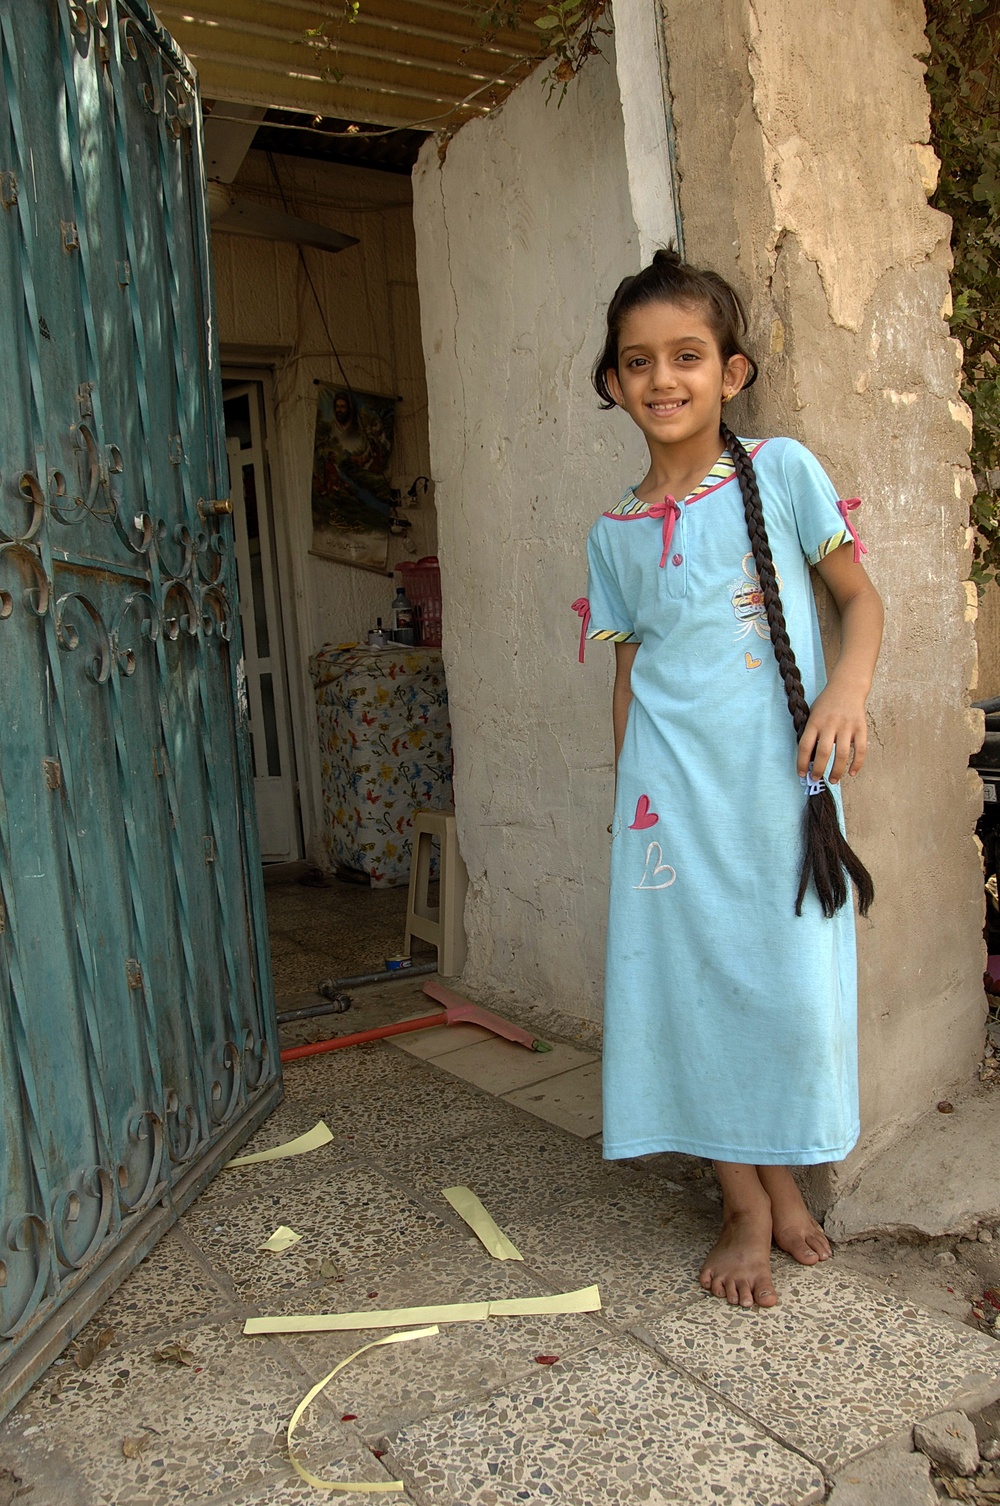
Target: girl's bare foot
(738, 1267)
(794, 1229)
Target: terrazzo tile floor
(665, 1396)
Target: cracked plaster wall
(522, 234)
(807, 185)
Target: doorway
(264, 647)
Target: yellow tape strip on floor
(311, 1140)
(282, 1239)
(364, 1487)
(586, 1300)
(468, 1206)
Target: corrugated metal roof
(402, 62)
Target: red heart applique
(644, 817)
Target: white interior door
(263, 642)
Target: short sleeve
(610, 618)
(822, 519)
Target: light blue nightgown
(730, 1022)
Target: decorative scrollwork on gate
(96, 1185)
(141, 606)
(36, 598)
(144, 1130)
(257, 1064)
(216, 615)
(28, 491)
(27, 1235)
(227, 1084)
(183, 1130)
(68, 635)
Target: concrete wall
(267, 314)
(521, 235)
(806, 184)
(802, 137)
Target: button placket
(675, 569)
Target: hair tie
(811, 785)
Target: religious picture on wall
(352, 500)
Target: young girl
(730, 1010)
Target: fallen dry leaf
(174, 1353)
(85, 1354)
(546, 1359)
(132, 1448)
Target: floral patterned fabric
(385, 750)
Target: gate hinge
(124, 273)
(8, 189)
(133, 972)
(70, 235)
(209, 849)
(85, 400)
(3, 915)
(175, 449)
(52, 769)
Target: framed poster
(352, 500)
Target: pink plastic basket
(422, 584)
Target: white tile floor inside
(664, 1396)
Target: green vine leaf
(963, 80)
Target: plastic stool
(443, 925)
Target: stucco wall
(520, 235)
(267, 313)
(807, 184)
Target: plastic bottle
(402, 618)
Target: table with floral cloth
(385, 752)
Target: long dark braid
(825, 855)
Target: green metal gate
(137, 1034)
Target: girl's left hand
(836, 722)
(836, 726)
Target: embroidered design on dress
(654, 867)
(747, 600)
(750, 661)
(644, 817)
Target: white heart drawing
(654, 867)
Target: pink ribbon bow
(845, 508)
(582, 608)
(669, 512)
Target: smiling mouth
(666, 408)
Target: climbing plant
(963, 77)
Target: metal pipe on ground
(332, 986)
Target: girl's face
(671, 378)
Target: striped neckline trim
(721, 473)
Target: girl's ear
(734, 375)
(615, 386)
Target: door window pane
(270, 719)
